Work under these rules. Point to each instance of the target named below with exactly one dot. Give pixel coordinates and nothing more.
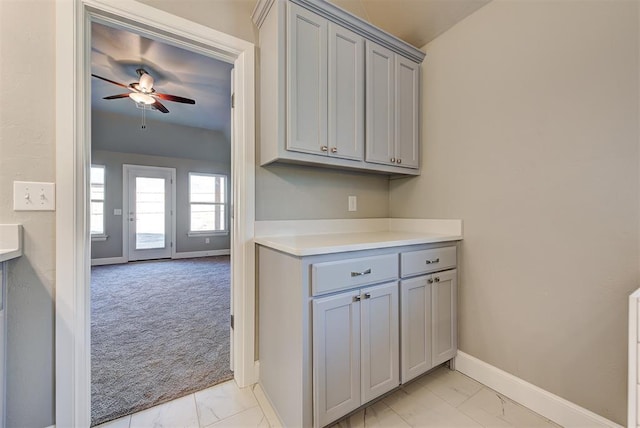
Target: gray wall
(113, 162)
(286, 192)
(531, 136)
(27, 152)
(117, 139)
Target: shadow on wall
(293, 192)
(30, 368)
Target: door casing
(73, 136)
(126, 208)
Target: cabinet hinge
(231, 320)
(233, 100)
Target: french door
(149, 193)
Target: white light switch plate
(34, 196)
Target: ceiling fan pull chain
(144, 120)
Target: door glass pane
(150, 214)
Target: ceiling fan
(142, 92)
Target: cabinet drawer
(425, 261)
(344, 274)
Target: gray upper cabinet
(380, 104)
(393, 106)
(407, 117)
(346, 93)
(307, 89)
(324, 101)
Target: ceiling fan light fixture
(142, 98)
(146, 82)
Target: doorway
(150, 207)
(72, 166)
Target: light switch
(117, 211)
(34, 196)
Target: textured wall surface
(530, 131)
(27, 127)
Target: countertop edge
(342, 248)
(6, 255)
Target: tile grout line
(197, 409)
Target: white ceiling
(116, 54)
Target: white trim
(206, 253)
(72, 324)
(225, 205)
(543, 402)
(108, 261)
(632, 374)
(126, 239)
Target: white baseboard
(193, 254)
(108, 261)
(557, 409)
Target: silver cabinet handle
(334, 150)
(437, 279)
(433, 261)
(367, 295)
(324, 148)
(393, 160)
(356, 298)
(365, 272)
(399, 161)
(430, 281)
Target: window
(97, 200)
(207, 203)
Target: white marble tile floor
(442, 398)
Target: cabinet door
(306, 80)
(380, 341)
(407, 120)
(346, 93)
(415, 325)
(336, 356)
(380, 104)
(444, 320)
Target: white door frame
(72, 329)
(126, 198)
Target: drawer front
(425, 261)
(344, 274)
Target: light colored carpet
(159, 331)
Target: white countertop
(10, 241)
(393, 233)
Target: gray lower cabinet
(428, 322)
(355, 349)
(338, 330)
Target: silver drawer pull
(436, 279)
(433, 261)
(367, 295)
(356, 298)
(430, 281)
(366, 272)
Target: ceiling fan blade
(115, 97)
(110, 81)
(158, 105)
(174, 98)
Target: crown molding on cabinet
(347, 20)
